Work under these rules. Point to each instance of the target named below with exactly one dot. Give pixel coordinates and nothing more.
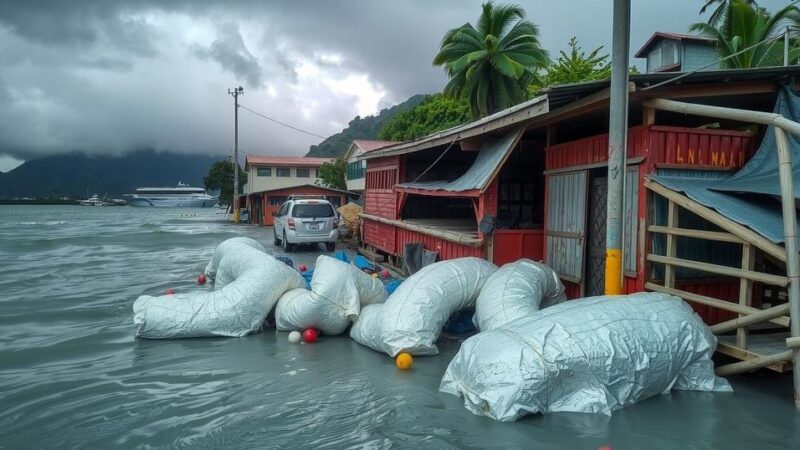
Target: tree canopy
(491, 65)
(574, 67)
(435, 113)
(220, 176)
(332, 174)
(742, 24)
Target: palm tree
(743, 24)
(719, 11)
(493, 64)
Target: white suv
(306, 221)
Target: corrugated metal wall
(511, 245)
(566, 223)
(445, 249)
(697, 147)
(380, 235)
(631, 219)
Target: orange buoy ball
(302, 268)
(310, 335)
(201, 280)
(385, 273)
(169, 291)
(404, 361)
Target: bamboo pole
(718, 236)
(458, 238)
(753, 364)
(745, 292)
(747, 319)
(766, 278)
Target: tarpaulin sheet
(750, 197)
(492, 153)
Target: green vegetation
(739, 24)
(220, 176)
(332, 174)
(719, 9)
(491, 65)
(435, 113)
(360, 128)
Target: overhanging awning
(491, 156)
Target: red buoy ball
(302, 268)
(385, 273)
(169, 291)
(201, 280)
(310, 335)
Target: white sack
(413, 316)
(224, 247)
(517, 289)
(592, 355)
(248, 284)
(338, 290)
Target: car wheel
(275, 241)
(330, 246)
(287, 247)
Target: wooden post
(672, 245)
(745, 292)
(648, 116)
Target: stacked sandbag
(516, 290)
(338, 290)
(591, 355)
(248, 283)
(413, 316)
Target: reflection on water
(73, 375)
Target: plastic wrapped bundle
(413, 316)
(224, 248)
(516, 290)
(592, 355)
(338, 290)
(249, 283)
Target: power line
(281, 123)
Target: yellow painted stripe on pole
(236, 215)
(613, 271)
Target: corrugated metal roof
(367, 145)
(322, 188)
(491, 155)
(292, 161)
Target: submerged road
(72, 374)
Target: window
(277, 201)
(317, 173)
(264, 171)
(355, 170)
(312, 210)
(282, 172)
(669, 53)
(302, 173)
(284, 208)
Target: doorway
(596, 237)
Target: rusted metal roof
(281, 161)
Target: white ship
(182, 196)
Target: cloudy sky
(108, 76)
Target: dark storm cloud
(111, 75)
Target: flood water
(72, 374)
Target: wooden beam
(699, 234)
(747, 319)
(713, 302)
(793, 342)
(648, 116)
(706, 90)
(672, 244)
(758, 362)
(714, 217)
(458, 238)
(766, 278)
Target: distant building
(356, 170)
(674, 52)
(267, 173)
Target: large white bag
(224, 248)
(517, 289)
(591, 355)
(413, 316)
(247, 285)
(337, 292)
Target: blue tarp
(751, 196)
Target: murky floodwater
(72, 375)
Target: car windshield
(311, 210)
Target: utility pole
(236, 92)
(617, 145)
(786, 47)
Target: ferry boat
(181, 196)
(94, 200)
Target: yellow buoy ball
(375, 275)
(404, 361)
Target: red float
(302, 268)
(310, 335)
(201, 280)
(169, 291)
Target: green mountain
(361, 128)
(72, 174)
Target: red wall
(381, 177)
(511, 245)
(445, 249)
(300, 190)
(380, 235)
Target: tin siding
(511, 245)
(566, 200)
(380, 235)
(631, 218)
(381, 177)
(445, 249)
(693, 147)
